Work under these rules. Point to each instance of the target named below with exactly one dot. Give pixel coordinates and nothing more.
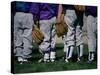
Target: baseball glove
(79, 7)
(37, 35)
(61, 28)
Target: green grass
(58, 65)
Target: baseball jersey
(44, 11)
(34, 9)
(22, 6)
(79, 19)
(91, 10)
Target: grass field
(58, 65)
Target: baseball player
(74, 35)
(23, 21)
(78, 34)
(47, 18)
(91, 13)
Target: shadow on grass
(58, 65)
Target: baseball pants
(23, 34)
(47, 47)
(73, 36)
(91, 32)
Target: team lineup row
(46, 16)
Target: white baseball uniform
(47, 27)
(74, 35)
(23, 34)
(91, 32)
(91, 13)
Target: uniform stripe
(90, 55)
(78, 51)
(68, 51)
